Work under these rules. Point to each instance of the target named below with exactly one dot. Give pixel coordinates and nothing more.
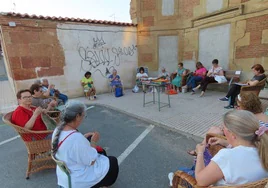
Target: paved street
(148, 160)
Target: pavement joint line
(150, 121)
(134, 144)
(1, 125)
(9, 140)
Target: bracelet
(94, 143)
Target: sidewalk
(188, 113)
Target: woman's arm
(30, 123)
(253, 83)
(220, 73)
(206, 176)
(145, 75)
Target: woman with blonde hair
(245, 162)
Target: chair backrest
(35, 141)
(256, 184)
(146, 70)
(233, 75)
(64, 168)
(262, 83)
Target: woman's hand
(215, 140)
(38, 111)
(95, 137)
(200, 148)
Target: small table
(158, 88)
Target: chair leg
(29, 168)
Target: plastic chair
(65, 169)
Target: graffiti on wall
(100, 58)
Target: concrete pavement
(189, 114)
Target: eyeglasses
(27, 97)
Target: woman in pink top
(198, 76)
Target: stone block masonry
(32, 48)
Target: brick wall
(187, 8)
(32, 47)
(255, 26)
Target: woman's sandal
(192, 153)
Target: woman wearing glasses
(26, 115)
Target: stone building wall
(63, 51)
(234, 31)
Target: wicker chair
(55, 115)
(38, 147)
(255, 89)
(182, 179)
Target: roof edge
(53, 18)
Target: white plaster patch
(167, 7)
(168, 52)
(214, 5)
(214, 43)
(98, 49)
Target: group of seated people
(88, 84)
(244, 158)
(40, 98)
(88, 163)
(245, 129)
(183, 79)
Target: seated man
(38, 100)
(49, 90)
(26, 115)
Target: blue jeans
(63, 97)
(193, 80)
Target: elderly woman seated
(177, 81)
(26, 115)
(247, 140)
(115, 80)
(87, 167)
(164, 74)
(38, 100)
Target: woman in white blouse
(215, 70)
(246, 161)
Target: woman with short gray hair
(87, 167)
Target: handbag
(118, 92)
(135, 89)
(220, 79)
